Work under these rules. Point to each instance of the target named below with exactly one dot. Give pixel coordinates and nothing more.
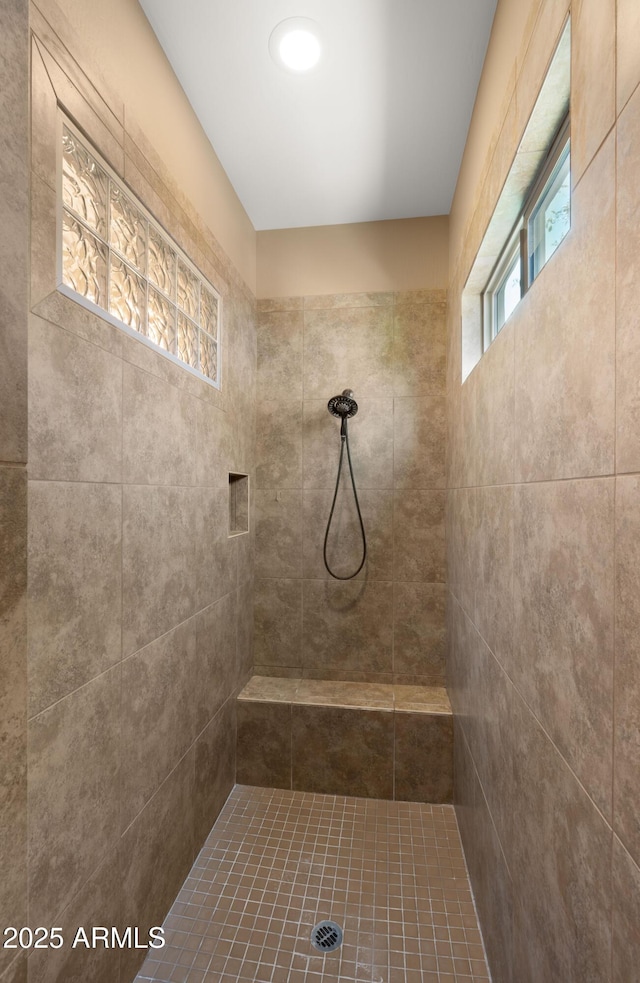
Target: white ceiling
(376, 131)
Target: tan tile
(419, 430)
(627, 684)
(495, 411)
(73, 808)
(344, 694)
(278, 533)
(13, 698)
(215, 769)
(419, 540)
(97, 903)
(280, 355)
(214, 445)
(60, 310)
(347, 348)
(419, 349)
(560, 866)
(163, 829)
(16, 971)
(158, 551)
(426, 698)
(159, 703)
(159, 431)
(419, 629)
(44, 249)
(266, 305)
(627, 289)
(279, 443)
(626, 914)
(370, 442)
(265, 689)
(563, 643)
(494, 576)
(278, 623)
(216, 666)
(423, 757)
(565, 351)
(593, 79)
(627, 63)
(74, 586)
(14, 241)
(462, 545)
(347, 626)
(216, 553)
(244, 633)
(264, 744)
(356, 751)
(345, 544)
(75, 407)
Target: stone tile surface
(75, 585)
(278, 623)
(419, 536)
(423, 757)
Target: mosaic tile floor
(392, 874)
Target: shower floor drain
(326, 936)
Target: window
(543, 223)
(117, 260)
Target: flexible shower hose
(344, 440)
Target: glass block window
(117, 259)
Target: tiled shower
(150, 661)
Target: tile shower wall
(14, 249)
(388, 624)
(543, 532)
(139, 636)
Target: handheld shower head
(343, 406)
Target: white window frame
(64, 122)
(518, 241)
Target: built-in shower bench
(343, 738)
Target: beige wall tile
(164, 829)
(279, 371)
(593, 79)
(627, 60)
(563, 643)
(216, 553)
(423, 757)
(357, 751)
(13, 698)
(626, 914)
(279, 443)
(627, 288)
(495, 411)
(462, 545)
(215, 770)
(349, 348)
(215, 670)
(347, 626)
(75, 586)
(419, 349)
(75, 407)
(333, 301)
(73, 793)
(244, 634)
(278, 533)
(565, 343)
(418, 536)
(419, 432)
(158, 569)
(98, 902)
(344, 545)
(14, 238)
(626, 801)
(494, 574)
(561, 867)
(159, 702)
(214, 445)
(278, 623)
(159, 431)
(419, 629)
(264, 744)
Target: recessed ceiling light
(295, 44)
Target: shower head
(343, 406)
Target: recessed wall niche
(238, 504)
